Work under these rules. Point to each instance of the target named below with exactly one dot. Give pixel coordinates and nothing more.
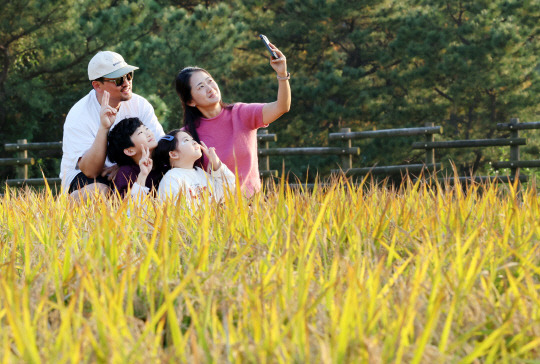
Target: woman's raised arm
(273, 110)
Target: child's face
(187, 148)
(143, 136)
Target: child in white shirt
(178, 152)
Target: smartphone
(266, 43)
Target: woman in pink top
(231, 129)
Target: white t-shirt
(193, 183)
(82, 124)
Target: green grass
(374, 274)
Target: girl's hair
(160, 155)
(192, 115)
(119, 138)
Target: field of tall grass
(370, 274)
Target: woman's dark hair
(160, 155)
(192, 115)
(119, 138)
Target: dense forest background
(465, 65)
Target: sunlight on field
(346, 274)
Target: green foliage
(468, 66)
(205, 37)
(363, 64)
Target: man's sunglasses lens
(120, 80)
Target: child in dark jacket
(129, 145)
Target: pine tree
(466, 65)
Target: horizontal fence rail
(470, 143)
(16, 161)
(33, 146)
(32, 182)
(519, 126)
(386, 133)
(484, 179)
(516, 164)
(310, 151)
(390, 170)
(266, 137)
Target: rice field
(346, 274)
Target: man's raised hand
(107, 113)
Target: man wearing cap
(90, 119)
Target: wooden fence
(427, 131)
(21, 161)
(429, 145)
(346, 152)
(514, 141)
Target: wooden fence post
(514, 149)
(267, 158)
(346, 160)
(22, 171)
(430, 153)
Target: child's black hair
(160, 155)
(119, 138)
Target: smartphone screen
(266, 43)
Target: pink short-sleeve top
(234, 135)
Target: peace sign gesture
(107, 113)
(145, 163)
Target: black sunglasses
(119, 81)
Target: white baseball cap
(108, 64)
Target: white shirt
(82, 124)
(193, 183)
